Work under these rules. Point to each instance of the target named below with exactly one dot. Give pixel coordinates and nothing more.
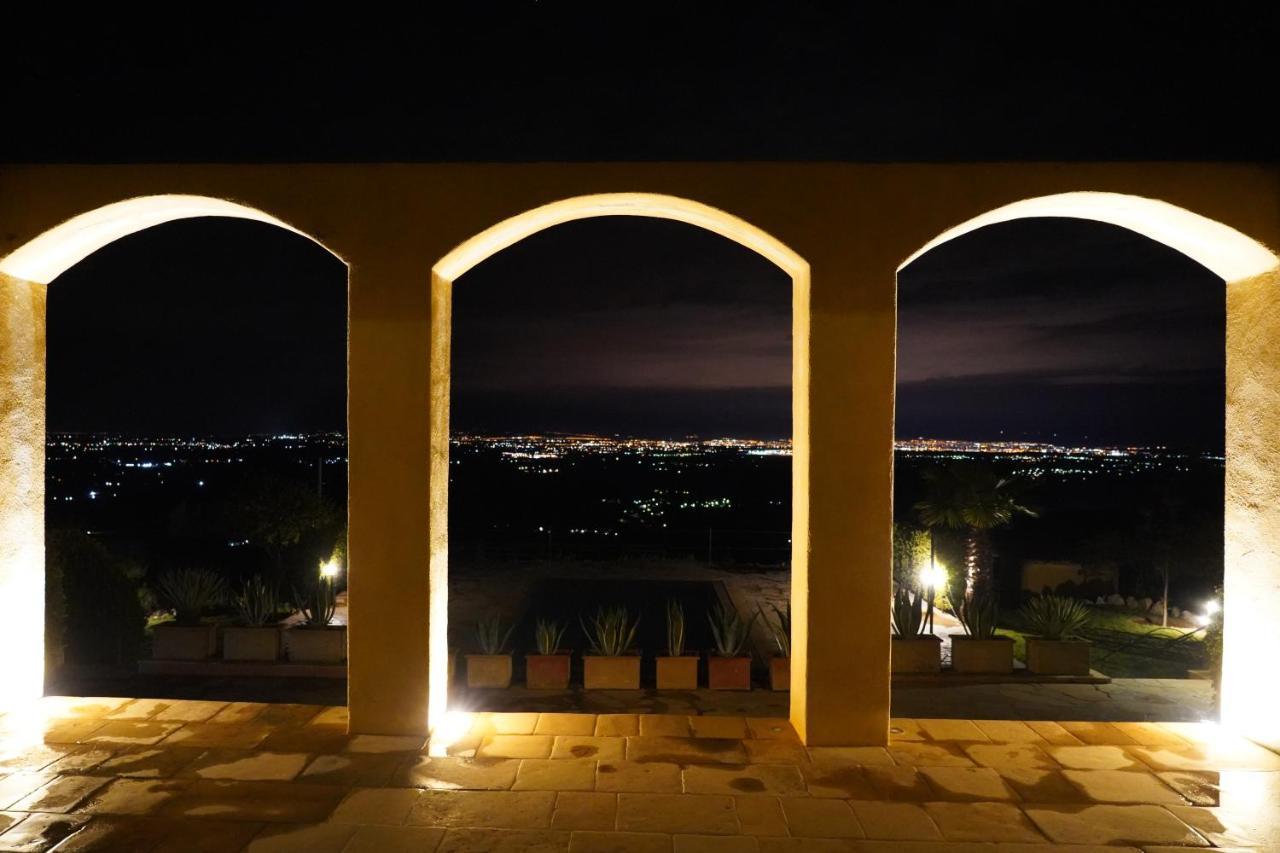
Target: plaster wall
(853, 224)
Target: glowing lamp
(1211, 607)
(329, 569)
(933, 576)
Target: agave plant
(1054, 617)
(190, 592)
(729, 631)
(317, 603)
(548, 633)
(490, 635)
(908, 612)
(675, 628)
(978, 612)
(779, 625)
(611, 631)
(255, 602)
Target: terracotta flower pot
(728, 673)
(780, 673)
(489, 671)
(1057, 657)
(316, 645)
(600, 672)
(993, 656)
(244, 642)
(184, 642)
(547, 672)
(916, 654)
(678, 673)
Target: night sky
(1044, 329)
(198, 327)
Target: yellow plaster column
(22, 381)
(388, 414)
(1251, 625)
(840, 619)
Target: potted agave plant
(257, 637)
(676, 670)
(1057, 648)
(316, 640)
(915, 648)
(189, 592)
(979, 650)
(779, 625)
(729, 668)
(612, 664)
(492, 666)
(549, 668)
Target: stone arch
(24, 274)
(1251, 272)
(514, 229)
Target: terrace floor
(156, 775)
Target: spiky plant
(908, 612)
(548, 633)
(190, 592)
(675, 628)
(317, 603)
(978, 613)
(1055, 617)
(729, 631)
(255, 602)
(490, 635)
(611, 631)
(779, 625)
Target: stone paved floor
(155, 775)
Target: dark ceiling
(611, 81)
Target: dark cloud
(1109, 334)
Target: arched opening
(507, 233)
(1251, 571)
(24, 275)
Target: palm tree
(973, 498)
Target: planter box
(489, 671)
(245, 643)
(678, 673)
(1057, 657)
(611, 673)
(916, 654)
(316, 645)
(994, 656)
(547, 672)
(780, 673)
(182, 642)
(728, 673)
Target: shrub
(611, 631)
(675, 628)
(779, 626)
(1053, 617)
(908, 612)
(978, 612)
(548, 633)
(189, 592)
(92, 601)
(255, 602)
(317, 603)
(490, 636)
(729, 631)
